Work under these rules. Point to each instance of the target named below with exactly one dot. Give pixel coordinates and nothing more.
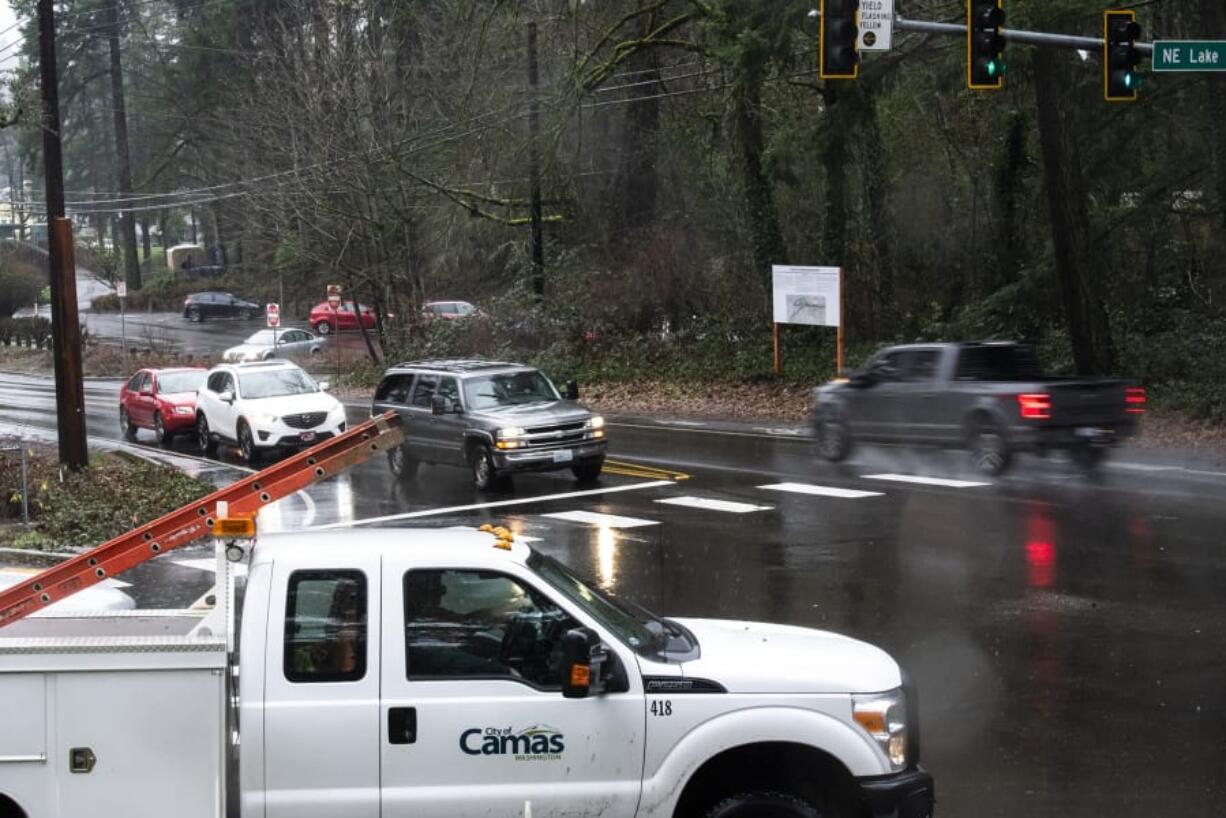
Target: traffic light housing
(840, 32)
(985, 45)
(1121, 56)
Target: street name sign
(876, 25)
(1189, 55)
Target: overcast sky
(6, 21)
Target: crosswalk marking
(710, 504)
(821, 491)
(925, 481)
(600, 520)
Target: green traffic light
(992, 68)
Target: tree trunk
(766, 235)
(122, 156)
(637, 180)
(146, 240)
(1076, 261)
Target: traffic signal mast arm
(196, 520)
(1092, 44)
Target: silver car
(275, 343)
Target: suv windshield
(644, 632)
(172, 382)
(276, 383)
(509, 389)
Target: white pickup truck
(410, 673)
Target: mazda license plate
(306, 437)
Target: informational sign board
(121, 289)
(272, 314)
(876, 25)
(1189, 55)
(334, 295)
(806, 295)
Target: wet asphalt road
(1065, 635)
(170, 331)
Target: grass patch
(78, 510)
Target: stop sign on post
(334, 295)
(272, 314)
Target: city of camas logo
(537, 743)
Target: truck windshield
(509, 389)
(642, 631)
(276, 384)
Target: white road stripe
(709, 504)
(925, 481)
(1143, 467)
(544, 498)
(600, 520)
(821, 491)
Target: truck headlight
(884, 717)
(595, 422)
(512, 432)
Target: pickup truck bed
(119, 714)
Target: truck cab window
(325, 626)
(424, 390)
(921, 364)
(481, 624)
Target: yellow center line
(626, 469)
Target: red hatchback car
(163, 400)
(324, 319)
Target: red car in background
(163, 400)
(324, 320)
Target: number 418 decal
(662, 708)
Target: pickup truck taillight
(1134, 400)
(1035, 406)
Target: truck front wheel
(833, 440)
(763, 804)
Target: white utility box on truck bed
(412, 673)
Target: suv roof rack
(456, 364)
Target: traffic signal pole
(65, 322)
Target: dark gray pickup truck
(990, 398)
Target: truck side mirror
(226, 397)
(571, 391)
(862, 379)
(583, 658)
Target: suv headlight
(265, 419)
(884, 717)
(512, 432)
(594, 422)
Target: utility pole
(65, 323)
(534, 168)
(127, 221)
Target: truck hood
(756, 657)
(536, 414)
(293, 404)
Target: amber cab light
(1035, 406)
(1134, 400)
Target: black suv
(495, 418)
(202, 306)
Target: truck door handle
(402, 725)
